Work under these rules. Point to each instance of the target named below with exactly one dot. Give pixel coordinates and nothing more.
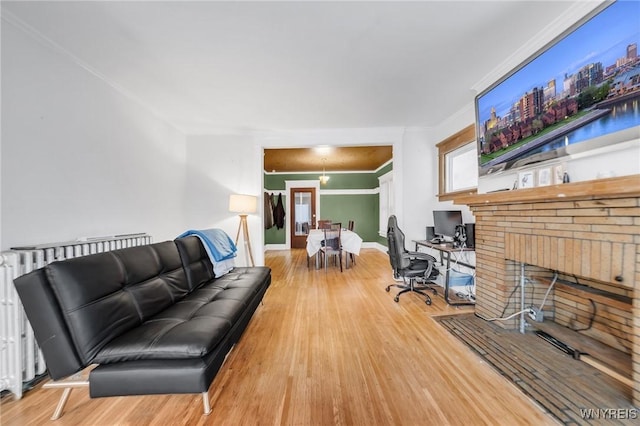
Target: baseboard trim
(375, 245)
(371, 244)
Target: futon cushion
(154, 276)
(243, 277)
(90, 291)
(105, 295)
(192, 327)
(195, 261)
(186, 330)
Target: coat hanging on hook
(268, 211)
(278, 213)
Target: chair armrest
(421, 256)
(416, 255)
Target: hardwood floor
(325, 348)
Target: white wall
(420, 177)
(420, 174)
(80, 158)
(456, 122)
(218, 166)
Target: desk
(351, 242)
(445, 250)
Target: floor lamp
(244, 205)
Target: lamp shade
(239, 203)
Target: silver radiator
(20, 358)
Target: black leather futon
(152, 319)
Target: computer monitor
(445, 222)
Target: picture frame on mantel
(545, 176)
(526, 179)
(558, 173)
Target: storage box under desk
(452, 278)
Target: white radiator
(20, 358)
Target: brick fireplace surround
(589, 232)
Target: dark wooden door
(303, 215)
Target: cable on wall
(553, 282)
(591, 320)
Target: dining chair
(324, 223)
(351, 226)
(352, 257)
(332, 246)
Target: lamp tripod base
(247, 243)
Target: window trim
(385, 180)
(448, 145)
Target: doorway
(303, 215)
(300, 168)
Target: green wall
(383, 171)
(361, 208)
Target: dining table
(351, 243)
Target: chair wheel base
(387, 289)
(411, 288)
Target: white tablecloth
(351, 242)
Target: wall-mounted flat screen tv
(582, 88)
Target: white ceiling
(209, 66)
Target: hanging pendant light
(324, 178)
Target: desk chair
(410, 265)
(332, 246)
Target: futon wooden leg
(61, 403)
(67, 386)
(207, 404)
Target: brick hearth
(589, 232)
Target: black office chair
(409, 265)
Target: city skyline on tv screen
(600, 54)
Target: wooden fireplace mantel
(615, 187)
